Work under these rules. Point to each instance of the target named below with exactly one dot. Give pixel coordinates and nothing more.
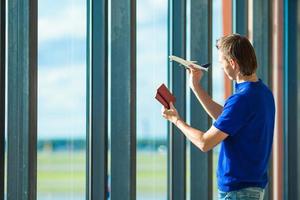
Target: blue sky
(152, 62)
(62, 67)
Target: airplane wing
(187, 63)
(179, 60)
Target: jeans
(250, 193)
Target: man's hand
(170, 114)
(195, 76)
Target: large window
(61, 100)
(151, 72)
(138, 38)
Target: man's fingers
(189, 70)
(192, 67)
(171, 105)
(168, 112)
(164, 111)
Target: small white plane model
(186, 63)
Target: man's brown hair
(238, 48)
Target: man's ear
(234, 64)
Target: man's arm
(211, 107)
(204, 141)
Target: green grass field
(64, 173)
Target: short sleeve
(233, 116)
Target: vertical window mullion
(176, 153)
(291, 101)
(277, 86)
(240, 17)
(97, 77)
(201, 34)
(123, 99)
(2, 95)
(227, 7)
(261, 38)
(22, 99)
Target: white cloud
(69, 22)
(61, 101)
(62, 84)
(61, 89)
(64, 126)
(151, 10)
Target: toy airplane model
(186, 63)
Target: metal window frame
(176, 78)
(123, 99)
(277, 63)
(262, 38)
(201, 48)
(2, 94)
(291, 105)
(240, 16)
(22, 100)
(97, 91)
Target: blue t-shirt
(248, 119)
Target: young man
(244, 126)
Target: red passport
(164, 96)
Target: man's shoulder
(237, 97)
(237, 102)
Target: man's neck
(251, 78)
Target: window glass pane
(151, 72)
(61, 99)
(218, 76)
